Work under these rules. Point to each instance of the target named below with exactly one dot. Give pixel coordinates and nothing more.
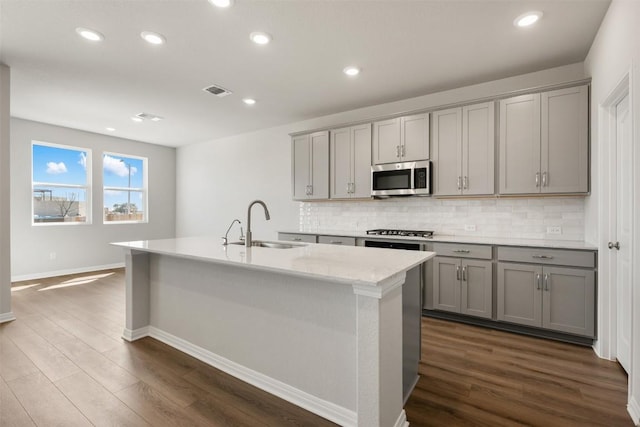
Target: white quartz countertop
(344, 264)
(498, 241)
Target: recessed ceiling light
(88, 34)
(221, 3)
(153, 38)
(136, 119)
(111, 129)
(527, 19)
(259, 37)
(249, 101)
(351, 71)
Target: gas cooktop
(404, 233)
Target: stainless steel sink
(272, 245)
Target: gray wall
(86, 246)
(5, 249)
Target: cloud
(83, 160)
(56, 168)
(113, 192)
(116, 167)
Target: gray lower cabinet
(296, 237)
(551, 297)
(463, 286)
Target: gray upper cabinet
(463, 150)
(351, 162)
(310, 168)
(403, 139)
(544, 143)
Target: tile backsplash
(527, 218)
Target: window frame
(144, 189)
(87, 187)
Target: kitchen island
(317, 325)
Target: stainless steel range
(402, 233)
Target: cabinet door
(478, 141)
(415, 137)
(446, 284)
(520, 294)
(447, 152)
(361, 154)
(520, 144)
(477, 287)
(301, 174)
(319, 143)
(341, 162)
(565, 141)
(386, 141)
(568, 303)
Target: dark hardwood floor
(63, 363)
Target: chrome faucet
(248, 241)
(225, 239)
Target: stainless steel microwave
(401, 179)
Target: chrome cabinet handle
(457, 272)
(462, 251)
(464, 273)
(404, 152)
(297, 239)
(546, 282)
(538, 277)
(459, 183)
(542, 256)
(310, 190)
(397, 151)
(537, 179)
(336, 242)
(353, 187)
(544, 179)
(612, 245)
(465, 184)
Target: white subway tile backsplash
(510, 217)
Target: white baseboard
(55, 273)
(328, 410)
(634, 410)
(136, 334)
(402, 420)
(7, 317)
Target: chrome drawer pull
(297, 239)
(462, 251)
(542, 256)
(335, 242)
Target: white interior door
(624, 231)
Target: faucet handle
(224, 241)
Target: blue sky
(56, 165)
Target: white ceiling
(405, 49)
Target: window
(125, 188)
(60, 184)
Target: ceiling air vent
(217, 91)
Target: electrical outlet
(470, 227)
(52, 256)
(554, 230)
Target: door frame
(606, 345)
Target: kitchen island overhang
(317, 325)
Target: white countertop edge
(477, 240)
(136, 246)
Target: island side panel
(137, 295)
(297, 331)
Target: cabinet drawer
(463, 250)
(548, 256)
(334, 240)
(293, 237)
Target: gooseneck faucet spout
(248, 239)
(225, 239)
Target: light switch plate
(470, 227)
(554, 230)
